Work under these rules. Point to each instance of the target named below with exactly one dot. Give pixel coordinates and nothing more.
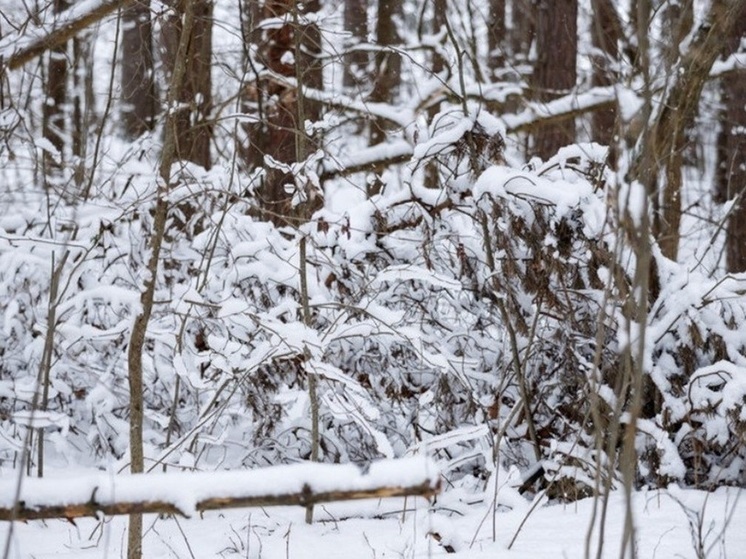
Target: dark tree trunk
(53, 111)
(660, 157)
(432, 172)
(522, 29)
(606, 34)
(138, 85)
(281, 109)
(387, 76)
(356, 24)
(193, 127)
(82, 102)
(387, 73)
(555, 70)
(496, 38)
(731, 175)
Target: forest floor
(671, 523)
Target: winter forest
(500, 240)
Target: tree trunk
(138, 84)
(522, 28)
(432, 171)
(171, 140)
(731, 175)
(678, 19)
(661, 153)
(387, 73)
(194, 129)
(387, 77)
(555, 70)
(53, 111)
(606, 34)
(496, 36)
(280, 107)
(356, 61)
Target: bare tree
(138, 84)
(660, 158)
(387, 61)
(555, 70)
(135, 349)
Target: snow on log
(185, 493)
(18, 50)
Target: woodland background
(507, 233)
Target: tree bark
(440, 7)
(661, 151)
(193, 126)
(355, 61)
(522, 29)
(606, 35)
(731, 171)
(279, 106)
(555, 71)
(138, 83)
(387, 73)
(140, 327)
(496, 36)
(53, 110)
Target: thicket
(506, 314)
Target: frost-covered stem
(312, 381)
(300, 155)
(140, 326)
(172, 417)
(45, 365)
(610, 431)
(635, 363)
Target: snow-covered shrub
(698, 346)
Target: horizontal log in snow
(186, 493)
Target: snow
(667, 523)
(186, 489)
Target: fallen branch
(186, 493)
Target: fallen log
(185, 493)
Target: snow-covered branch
(185, 493)
(17, 51)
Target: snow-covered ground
(671, 523)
